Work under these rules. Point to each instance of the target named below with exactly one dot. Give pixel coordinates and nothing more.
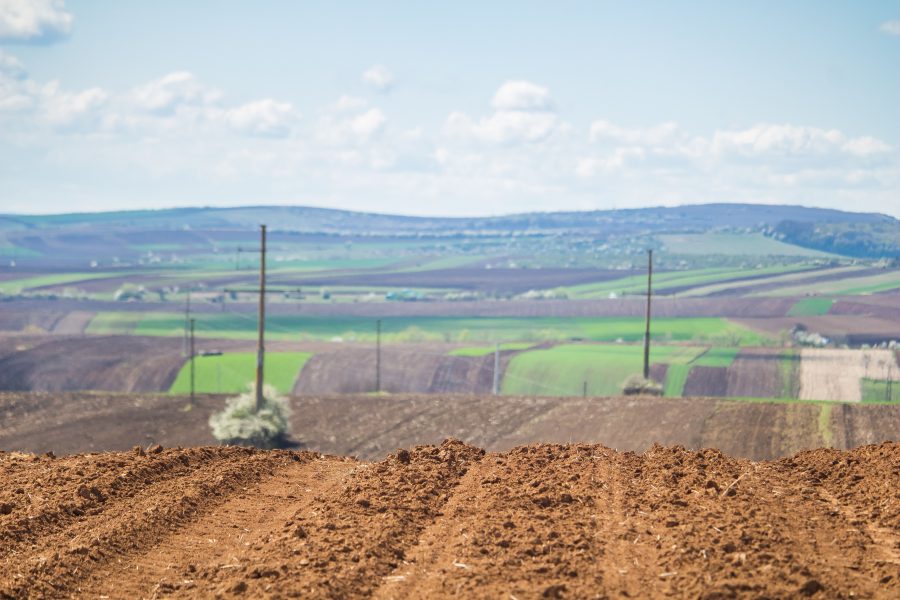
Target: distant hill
(868, 235)
(699, 217)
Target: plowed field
(539, 521)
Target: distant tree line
(861, 240)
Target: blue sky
(451, 108)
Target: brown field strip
(551, 521)
(370, 427)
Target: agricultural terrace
(233, 373)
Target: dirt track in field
(540, 521)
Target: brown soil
(419, 368)
(109, 363)
(121, 363)
(371, 426)
(756, 373)
(541, 521)
(851, 329)
(707, 381)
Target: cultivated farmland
(449, 521)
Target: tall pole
(260, 345)
(496, 369)
(193, 354)
(647, 324)
(377, 356)
(187, 323)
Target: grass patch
(676, 377)
(871, 284)
(717, 357)
(15, 286)
(485, 350)
(879, 391)
(715, 331)
(789, 368)
(563, 370)
(233, 372)
(116, 323)
(811, 307)
(734, 244)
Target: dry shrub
(638, 386)
(240, 424)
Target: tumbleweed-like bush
(241, 425)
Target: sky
(454, 108)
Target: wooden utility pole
(378, 356)
(187, 322)
(193, 354)
(647, 324)
(260, 345)
(496, 369)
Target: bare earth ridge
(450, 520)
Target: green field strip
(638, 283)
(485, 350)
(872, 284)
(123, 323)
(879, 391)
(14, 286)
(811, 307)
(232, 373)
(787, 276)
(734, 244)
(789, 369)
(481, 330)
(564, 370)
(10, 250)
(716, 357)
(676, 377)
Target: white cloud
(379, 77)
(369, 123)
(659, 134)
(349, 104)
(263, 118)
(10, 66)
(522, 115)
(34, 20)
(65, 109)
(890, 27)
(503, 127)
(521, 96)
(866, 146)
(783, 140)
(167, 94)
(519, 154)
